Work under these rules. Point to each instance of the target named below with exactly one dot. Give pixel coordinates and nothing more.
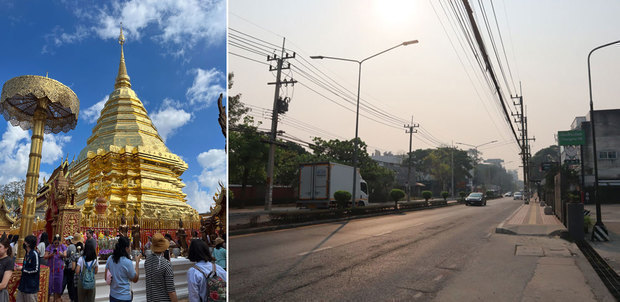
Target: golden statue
(182, 238)
(123, 229)
(135, 234)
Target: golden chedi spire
(122, 79)
(126, 156)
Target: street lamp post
(357, 111)
(476, 150)
(599, 227)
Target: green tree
(396, 195)
(379, 179)
(342, 198)
(236, 109)
(438, 164)
(445, 195)
(246, 158)
(247, 151)
(439, 161)
(549, 154)
(427, 195)
(13, 192)
(287, 159)
(462, 195)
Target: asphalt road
(408, 256)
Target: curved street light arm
(494, 141)
(335, 58)
(401, 44)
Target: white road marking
(438, 278)
(314, 251)
(381, 234)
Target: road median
(277, 220)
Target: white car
(518, 195)
(507, 194)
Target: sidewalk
(562, 271)
(531, 220)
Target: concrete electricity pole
(452, 165)
(525, 146)
(279, 106)
(411, 131)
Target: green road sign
(572, 138)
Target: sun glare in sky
(394, 12)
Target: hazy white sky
(546, 42)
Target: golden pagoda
(126, 162)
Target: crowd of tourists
(73, 265)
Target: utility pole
(280, 105)
(411, 131)
(520, 118)
(452, 166)
(528, 156)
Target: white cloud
(206, 88)
(15, 149)
(197, 198)
(52, 147)
(169, 118)
(213, 163)
(91, 114)
(59, 37)
(200, 193)
(183, 23)
(179, 25)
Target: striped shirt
(159, 278)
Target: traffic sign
(572, 138)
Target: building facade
(607, 128)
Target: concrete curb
(500, 228)
(528, 230)
(302, 224)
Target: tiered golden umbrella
(45, 106)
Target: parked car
(518, 195)
(507, 194)
(476, 198)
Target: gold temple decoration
(126, 162)
(45, 106)
(6, 221)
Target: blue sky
(175, 53)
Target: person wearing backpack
(85, 270)
(69, 273)
(159, 274)
(205, 279)
(29, 281)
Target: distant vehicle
(508, 194)
(476, 198)
(319, 181)
(518, 195)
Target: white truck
(319, 181)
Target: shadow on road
(304, 257)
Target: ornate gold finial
(121, 38)
(122, 79)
